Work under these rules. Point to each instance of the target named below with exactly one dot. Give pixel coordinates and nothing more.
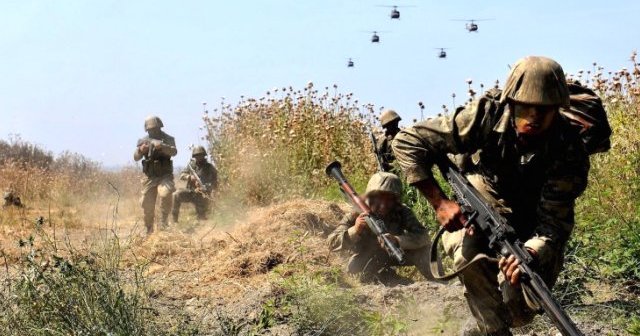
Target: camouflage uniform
(389, 120)
(534, 188)
(368, 257)
(386, 152)
(158, 181)
(191, 194)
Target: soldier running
(202, 179)
(156, 150)
(532, 167)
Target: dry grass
(276, 147)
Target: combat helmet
(198, 150)
(152, 122)
(388, 116)
(536, 80)
(386, 182)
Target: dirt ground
(211, 267)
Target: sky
(82, 75)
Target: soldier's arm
(185, 173)
(137, 155)
(168, 147)
(415, 235)
(567, 180)
(418, 147)
(340, 239)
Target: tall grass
(277, 146)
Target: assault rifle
(375, 224)
(502, 239)
(203, 188)
(376, 151)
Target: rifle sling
(433, 260)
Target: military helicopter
(471, 24)
(375, 38)
(442, 53)
(350, 63)
(395, 13)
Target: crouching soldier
(369, 255)
(202, 179)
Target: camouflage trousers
(495, 304)
(154, 188)
(200, 202)
(369, 261)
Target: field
(75, 261)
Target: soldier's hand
(394, 240)
(143, 148)
(450, 216)
(510, 269)
(361, 224)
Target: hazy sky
(82, 75)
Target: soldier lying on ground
(532, 166)
(202, 179)
(369, 255)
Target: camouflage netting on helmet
(536, 80)
(384, 182)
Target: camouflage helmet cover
(536, 80)
(152, 122)
(198, 150)
(385, 182)
(388, 116)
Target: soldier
(369, 255)
(531, 168)
(202, 179)
(10, 199)
(390, 121)
(155, 150)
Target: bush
(277, 147)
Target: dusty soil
(207, 270)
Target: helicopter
(442, 53)
(471, 24)
(395, 13)
(350, 63)
(375, 38)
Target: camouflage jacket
(539, 185)
(157, 162)
(207, 173)
(401, 222)
(386, 152)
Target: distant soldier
(390, 121)
(155, 150)
(202, 179)
(10, 199)
(531, 168)
(369, 255)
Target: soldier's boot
(149, 218)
